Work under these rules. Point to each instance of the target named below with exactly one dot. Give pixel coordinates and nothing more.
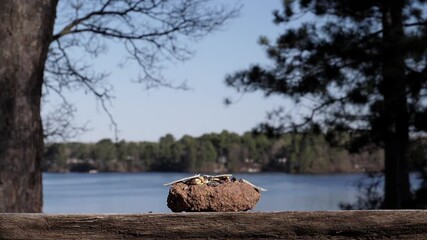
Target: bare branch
(151, 32)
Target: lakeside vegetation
(224, 152)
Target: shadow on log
(288, 225)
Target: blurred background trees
(223, 152)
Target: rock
(225, 197)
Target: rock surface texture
(225, 197)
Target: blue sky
(147, 115)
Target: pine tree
(360, 66)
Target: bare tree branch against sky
(147, 115)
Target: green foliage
(224, 152)
(189, 157)
(55, 157)
(103, 153)
(206, 156)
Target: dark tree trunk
(395, 113)
(25, 30)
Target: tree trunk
(26, 28)
(396, 127)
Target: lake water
(144, 192)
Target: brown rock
(226, 197)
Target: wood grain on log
(289, 225)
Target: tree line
(223, 152)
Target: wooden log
(241, 225)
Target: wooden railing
(285, 225)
